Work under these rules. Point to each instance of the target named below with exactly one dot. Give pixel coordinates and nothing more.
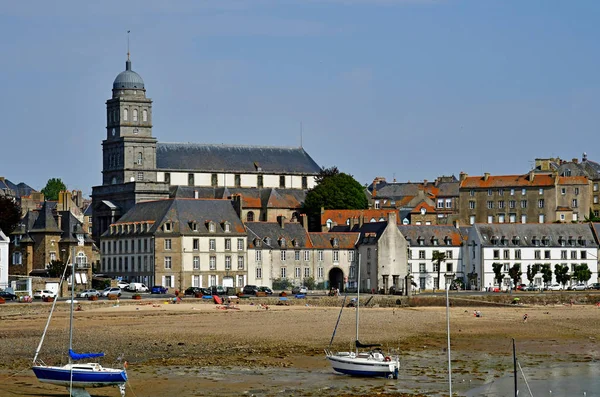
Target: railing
(82, 265)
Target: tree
(52, 188)
(325, 173)
(515, 274)
(438, 258)
(591, 217)
(498, 276)
(56, 269)
(309, 282)
(10, 215)
(281, 284)
(582, 273)
(336, 190)
(532, 271)
(546, 271)
(561, 272)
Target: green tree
(336, 190)
(591, 217)
(56, 269)
(561, 272)
(52, 188)
(309, 282)
(582, 273)
(10, 215)
(546, 271)
(438, 258)
(515, 274)
(326, 172)
(498, 276)
(532, 271)
(281, 284)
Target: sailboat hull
(86, 375)
(363, 367)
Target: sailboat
(76, 376)
(366, 363)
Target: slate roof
(448, 189)
(291, 232)
(71, 226)
(234, 158)
(17, 190)
(479, 182)
(182, 212)
(45, 222)
(251, 197)
(552, 232)
(370, 232)
(325, 240)
(429, 233)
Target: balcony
(82, 266)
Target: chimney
(462, 176)
(576, 161)
(456, 224)
(531, 175)
(392, 218)
(236, 200)
(304, 221)
(361, 220)
(425, 183)
(59, 219)
(281, 220)
(486, 176)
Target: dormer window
(494, 240)
(434, 241)
(257, 242)
(335, 243)
(227, 227)
(268, 241)
(571, 241)
(420, 240)
(167, 227)
(580, 241)
(211, 227)
(503, 241)
(194, 226)
(296, 243)
(516, 240)
(545, 241)
(535, 241)
(282, 242)
(448, 240)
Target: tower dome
(128, 79)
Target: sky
(404, 89)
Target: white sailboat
(76, 376)
(367, 363)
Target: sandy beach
(198, 348)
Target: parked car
(217, 290)
(89, 292)
(8, 296)
(266, 290)
(533, 287)
(299, 289)
(554, 287)
(195, 290)
(111, 291)
(578, 287)
(159, 289)
(137, 287)
(122, 284)
(521, 287)
(250, 290)
(44, 293)
(594, 286)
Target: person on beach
(525, 317)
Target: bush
(281, 284)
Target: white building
(4, 241)
(527, 245)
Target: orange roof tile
(573, 180)
(428, 208)
(341, 216)
(476, 182)
(346, 240)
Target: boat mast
(448, 333)
(357, 302)
(515, 366)
(37, 351)
(72, 299)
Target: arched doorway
(336, 279)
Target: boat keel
(78, 392)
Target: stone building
(136, 167)
(529, 198)
(177, 243)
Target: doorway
(336, 278)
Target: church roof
(128, 79)
(234, 158)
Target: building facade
(4, 264)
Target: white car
(122, 284)
(44, 293)
(555, 287)
(111, 291)
(578, 287)
(89, 292)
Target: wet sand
(196, 348)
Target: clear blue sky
(406, 88)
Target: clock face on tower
(113, 132)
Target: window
(227, 244)
(448, 254)
(595, 187)
(214, 180)
(282, 181)
(436, 267)
(573, 254)
(506, 254)
(319, 272)
(306, 272)
(501, 218)
(169, 281)
(537, 254)
(541, 191)
(576, 191)
(211, 227)
(500, 192)
(523, 192)
(350, 255)
(167, 177)
(583, 254)
(563, 254)
(237, 180)
(304, 183)
(283, 272)
(489, 192)
(240, 244)
(471, 192)
(574, 203)
(422, 268)
(501, 204)
(320, 255)
(496, 254)
(563, 191)
(306, 256)
(196, 263)
(258, 255)
(250, 216)
(449, 266)
(541, 203)
(512, 218)
(448, 203)
(167, 262)
(541, 218)
(547, 254)
(17, 258)
(240, 262)
(140, 158)
(167, 244)
(227, 262)
(125, 114)
(421, 254)
(212, 244)
(471, 219)
(283, 254)
(140, 176)
(517, 254)
(336, 256)
(191, 181)
(135, 115)
(523, 218)
(297, 255)
(490, 205)
(377, 205)
(490, 219)
(212, 263)
(440, 203)
(298, 272)
(471, 204)
(259, 272)
(512, 204)
(196, 244)
(144, 115)
(259, 181)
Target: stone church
(136, 167)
